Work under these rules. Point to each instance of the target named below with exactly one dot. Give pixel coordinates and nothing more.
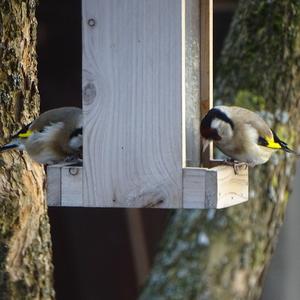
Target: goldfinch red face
(210, 125)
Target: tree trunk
(25, 244)
(224, 254)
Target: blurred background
(107, 253)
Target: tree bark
(25, 244)
(224, 254)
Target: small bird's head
(75, 141)
(215, 125)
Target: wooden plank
(195, 186)
(218, 187)
(206, 68)
(232, 189)
(53, 186)
(71, 186)
(64, 185)
(132, 103)
(138, 244)
(203, 188)
(192, 82)
(137, 55)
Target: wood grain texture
(232, 189)
(192, 82)
(53, 186)
(206, 68)
(218, 187)
(71, 186)
(64, 185)
(203, 188)
(193, 182)
(136, 56)
(132, 103)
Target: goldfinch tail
(282, 145)
(275, 143)
(288, 150)
(9, 147)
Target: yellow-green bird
(241, 134)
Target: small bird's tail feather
(285, 148)
(283, 145)
(8, 147)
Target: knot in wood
(89, 93)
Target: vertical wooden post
(138, 244)
(132, 103)
(206, 68)
(191, 86)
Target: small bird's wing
(266, 136)
(48, 118)
(252, 119)
(16, 139)
(275, 143)
(25, 132)
(263, 130)
(69, 120)
(72, 114)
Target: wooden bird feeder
(146, 84)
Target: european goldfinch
(241, 134)
(54, 137)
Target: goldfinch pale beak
(205, 144)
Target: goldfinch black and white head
(241, 134)
(55, 136)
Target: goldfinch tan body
(241, 134)
(53, 137)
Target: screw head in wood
(91, 22)
(73, 171)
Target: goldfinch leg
(73, 159)
(237, 166)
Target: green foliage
(261, 52)
(248, 100)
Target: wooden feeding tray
(217, 187)
(146, 84)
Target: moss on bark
(224, 254)
(25, 244)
